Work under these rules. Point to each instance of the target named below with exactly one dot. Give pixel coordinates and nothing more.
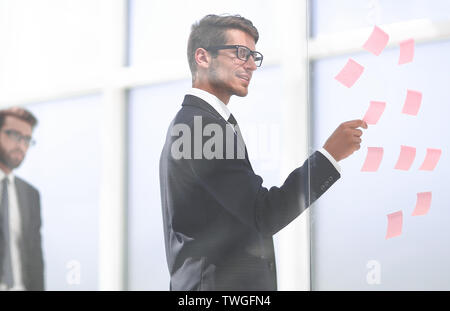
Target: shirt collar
(10, 176)
(212, 100)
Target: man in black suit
(218, 218)
(21, 260)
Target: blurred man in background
(21, 259)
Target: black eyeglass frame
(17, 137)
(257, 56)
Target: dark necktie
(5, 249)
(233, 121)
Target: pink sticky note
(373, 159)
(431, 159)
(423, 203)
(406, 158)
(377, 41)
(406, 52)
(412, 102)
(374, 112)
(350, 73)
(395, 222)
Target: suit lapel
(191, 100)
(23, 203)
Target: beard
(10, 161)
(221, 84)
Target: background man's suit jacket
(31, 246)
(218, 218)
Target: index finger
(356, 123)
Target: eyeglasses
(242, 52)
(17, 137)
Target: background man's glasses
(17, 137)
(242, 52)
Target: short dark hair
(211, 30)
(19, 113)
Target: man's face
(228, 74)
(12, 152)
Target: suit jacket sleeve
(37, 263)
(234, 185)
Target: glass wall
(153, 107)
(48, 45)
(68, 61)
(350, 245)
(328, 16)
(64, 166)
(159, 30)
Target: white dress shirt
(223, 110)
(15, 232)
(212, 100)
